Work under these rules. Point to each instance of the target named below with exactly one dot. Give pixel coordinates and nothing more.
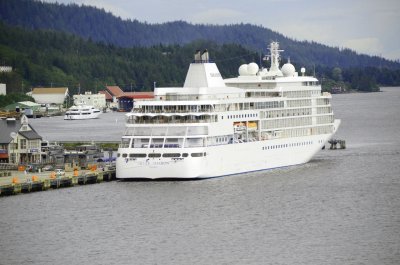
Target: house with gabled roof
(19, 142)
(123, 101)
(112, 93)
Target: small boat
(82, 112)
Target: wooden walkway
(17, 182)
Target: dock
(16, 182)
(337, 144)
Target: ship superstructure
(213, 127)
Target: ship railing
(168, 121)
(188, 111)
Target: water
(109, 127)
(341, 208)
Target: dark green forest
(80, 46)
(49, 58)
(100, 26)
(52, 59)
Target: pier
(16, 182)
(337, 144)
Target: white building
(54, 95)
(96, 100)
(5, 69)
(3, 90)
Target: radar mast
(275, 58)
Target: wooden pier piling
(335, 142)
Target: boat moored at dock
(213, 127)
(82, 112)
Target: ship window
(124, 155)
(157, 143)
(194, 142)
(154, 155)
(171, 155)
(125, 142)
(173, 143)
(185, 155)
(118, 155)
(137, 155)
(197, 154)
(140, 142)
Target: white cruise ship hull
(223, 160)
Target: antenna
(314, 69)
(274, 50)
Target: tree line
(43, 58)
(100, 26)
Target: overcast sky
(366, 26)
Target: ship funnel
(204, 56)
(197, 56)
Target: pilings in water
(34, 184)
(337, 144)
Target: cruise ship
(211, 127)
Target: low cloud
(217, 16)
(368, 45)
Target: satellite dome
(288, 69)
(252, 69)
(243, 69)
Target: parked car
(32, 167)
(47, 168)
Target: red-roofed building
(109, 98)
(115, 91)
(112, 93)
(126, 99)
(116, 98)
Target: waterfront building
(126, 100)
(48, 96)
(29, 108)
(83, 156)
(52, 153)
(19, 142)
(97, 100)
(112, 93)
(3, 89)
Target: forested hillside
(49, 58)
(100, 26)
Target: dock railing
(8, 166)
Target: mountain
(51, 58)
(100, 26)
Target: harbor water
(343, 207)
